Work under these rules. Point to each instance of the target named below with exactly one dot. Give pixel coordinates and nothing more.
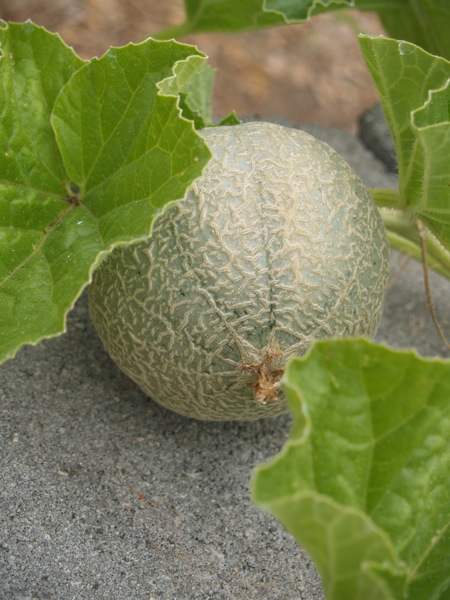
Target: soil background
(307, 73)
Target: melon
(276, 245)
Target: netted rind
(276, 245)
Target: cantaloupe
(276, 245)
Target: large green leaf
(90, 152)
(415, 93)
(235, 15)
(363, 483)
(230, 16)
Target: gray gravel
(105, 495)
(375, 134)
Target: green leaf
(425, 23)
(235, 15)
(431, 124)
(415, 93)
(90, 152)
(193, 82)
(295, 11)
(229, 15)
(231, 119)
(363, 482)
(34, 66)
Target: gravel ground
(105, 495)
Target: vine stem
(426, 278)
(411, 236)
(387, 198)
(403, 233)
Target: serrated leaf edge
(176, 67)
(104, 253)
(417, 111)
(309, 13)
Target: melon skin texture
(276, 245)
